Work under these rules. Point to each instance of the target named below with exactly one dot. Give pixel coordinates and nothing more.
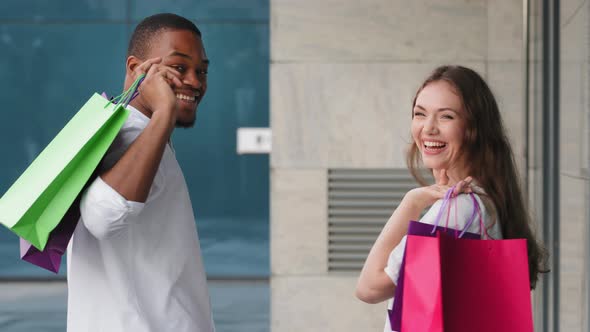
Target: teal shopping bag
(34, 205)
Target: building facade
(343, 75)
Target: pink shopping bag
(453, 284)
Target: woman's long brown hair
(490, 159)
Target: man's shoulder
(129, 132)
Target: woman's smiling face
(438, 127)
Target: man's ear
(132, 63)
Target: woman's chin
(434, 165)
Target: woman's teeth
(434, 145)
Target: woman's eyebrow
(438, 110)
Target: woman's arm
(374, 285)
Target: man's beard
(185, 124)
(181, 123)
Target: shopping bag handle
(446, 201)
(127, 96)
(474, 213)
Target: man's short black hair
(150, 26)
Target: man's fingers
(149, 75)
(176, 82)
(146, 66)
(171, 76)
(151, 71)
(172, 80)
(163, 70)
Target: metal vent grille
(360, 201)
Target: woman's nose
(430, 126)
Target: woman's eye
(202, 72)
(418, 113)
(447, 116)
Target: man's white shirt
(137, 266)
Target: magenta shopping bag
(418, 228)
(460, 285)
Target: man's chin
(185, 124)
(187, 121)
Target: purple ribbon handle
(446, 200)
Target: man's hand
(133, 174)
(156, 90)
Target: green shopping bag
(34, 205)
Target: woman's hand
(423, 197)
(374, 285)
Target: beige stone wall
(343, 75)
(574, 176)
